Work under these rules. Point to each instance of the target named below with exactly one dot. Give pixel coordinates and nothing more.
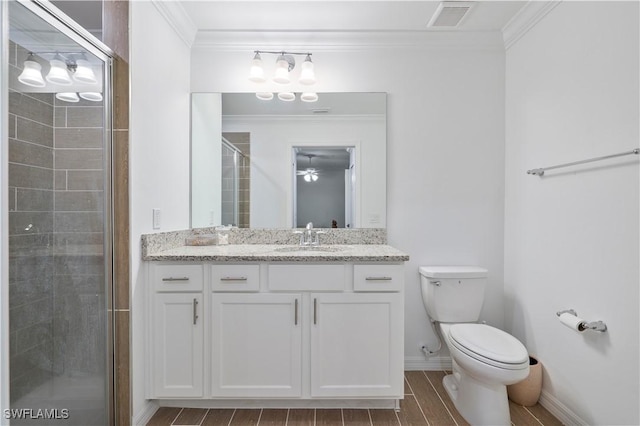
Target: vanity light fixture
(64, 69)
(285, 63)
(58, 73)
(264, 96)
(68, 96)
(83, 72)
(309, 97)
(32, 73)
(91, 96)
(307, 75)
(287, 96)
(257, 71)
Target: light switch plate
(156, 218)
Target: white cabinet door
(177, 345)
(256, 345)
(357, 345)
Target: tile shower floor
(425, 403)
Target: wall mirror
(248, 158)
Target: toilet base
(478, 402)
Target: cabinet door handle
(295, 319)
(195, 311)
(315, 311)
(378, 278)
(176, 279)
(233, 279)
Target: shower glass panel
(235, 180)
(59, 238)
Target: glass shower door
(59, 235)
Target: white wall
(571, 238)
(272, 139)
(206, 166)
(159, 152)
(445, 144)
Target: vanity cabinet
(256, 345)
(177, 331)
(356, 345)
(294, 331)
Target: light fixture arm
(283, 54)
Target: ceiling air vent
(450, 14)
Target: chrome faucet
(309, 237)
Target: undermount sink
(327, 249)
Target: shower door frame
(65, 25)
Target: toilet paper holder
(586, 325)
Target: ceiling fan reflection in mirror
(309, 174)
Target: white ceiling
(329, 15)
(313, 15)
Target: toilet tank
(453, 293)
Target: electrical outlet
(156, 218)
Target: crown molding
(527, 18)
(334, 41)
(175, 15)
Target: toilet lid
(490, 345)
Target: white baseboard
(143, 417)
(413, 363)
(559, 410)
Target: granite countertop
(280, 253)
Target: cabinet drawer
(322, 277)
(378, 277)
(235, 277)
(177, 277)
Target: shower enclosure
(235, 170)
(57, 196)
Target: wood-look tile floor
(425, 403)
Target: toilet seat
(489, 345)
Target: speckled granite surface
(273, 245)
(281, 253)
(163, 241)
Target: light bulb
(264, 96)
(32, 73)
(281, 75)
(58, 73)
(68, 96)
(314, 177)
(307, 75)
(257, 71)
(307, 178)
(309, 97)
(84, 73)
(91, 96)
(287, 96)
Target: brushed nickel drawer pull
(195, 311)
(378, 278)
(315, 311)
(176, 279)
(233, 279)
(295, 321)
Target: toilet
(484, 358)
